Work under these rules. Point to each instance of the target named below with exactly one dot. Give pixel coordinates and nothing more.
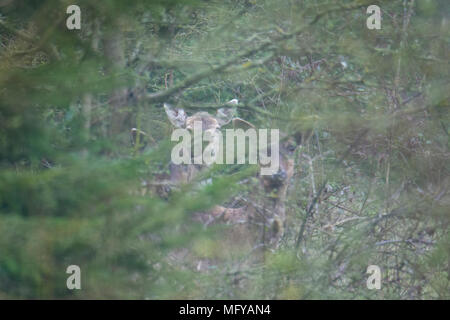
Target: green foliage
(370, 185)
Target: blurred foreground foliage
(371, 186)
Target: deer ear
(176, 116)
(239, 123)
(233, 102)
(224, 115)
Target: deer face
(203, 126)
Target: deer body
(259, 223)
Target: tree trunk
(114, 52)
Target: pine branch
(268, 44)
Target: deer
(258, 224)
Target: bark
(114, 52)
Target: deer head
(205, 123)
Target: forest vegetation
(367, 112)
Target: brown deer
(258, 224)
